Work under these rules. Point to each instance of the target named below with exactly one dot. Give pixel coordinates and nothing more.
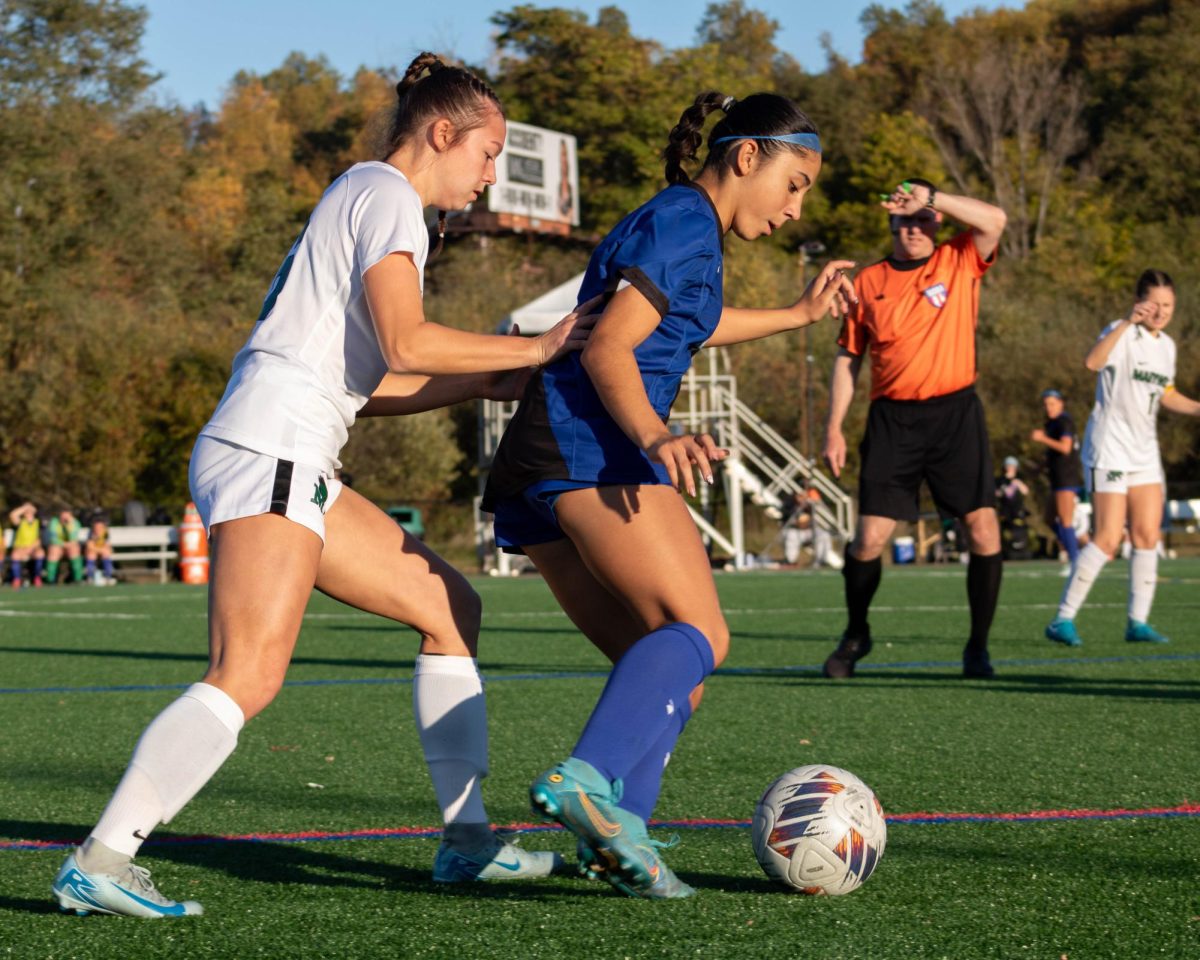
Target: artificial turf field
(1110, 727)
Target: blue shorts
(528, 518)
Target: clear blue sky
(199, 46)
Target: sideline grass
(1108, 726)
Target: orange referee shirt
(919, 324)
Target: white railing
(762, 466)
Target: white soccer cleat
(132, 894)
(503, 861)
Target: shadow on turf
(283, 863)
(16, 905)
(1136, 688)
(404, 663)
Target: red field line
(402, 833)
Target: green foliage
(55, 51)
(136, 241)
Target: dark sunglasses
(915, 220)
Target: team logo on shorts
(1114, 476)
(320, 494)
(936, 294)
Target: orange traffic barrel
(193, 547)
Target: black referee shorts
(943, 441)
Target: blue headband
(810, 141)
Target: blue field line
(594, 674)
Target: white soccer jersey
(314, 359)
(1121, 432)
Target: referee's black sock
(983, 593)
(862, 580)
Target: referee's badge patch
(936, 294)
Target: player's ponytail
(684, 141)
(763, 117)
(429, 90)
(1151, 279)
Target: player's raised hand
(1143, 312)
(906, 199)
(680, 454)
(830, 291)
(570, 333)
(834, 453)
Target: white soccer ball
(819, 829)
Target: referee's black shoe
(977, 666)
(840, 663)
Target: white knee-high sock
(1143, 578)
(176, 756)
(1090, 562)
(451, 718)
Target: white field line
(59, 615)
(559, 615)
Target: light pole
(809, 252)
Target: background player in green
(64, 542)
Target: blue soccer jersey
(670, 249)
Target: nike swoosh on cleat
(515, 865)
(605, 827)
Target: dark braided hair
(759, 115)
(431, 89)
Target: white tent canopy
(541, 314)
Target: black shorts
(943, 441)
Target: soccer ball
(819, 829)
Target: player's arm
(612, 367)
(1064, 444)
(400, 394)
(411, 344)
(986, 220)
(830, 291)
(1097, 357)
(841, 393)
(1176, 402)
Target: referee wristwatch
(929, 201)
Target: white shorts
(1104, 480)
(230, 482)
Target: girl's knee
(718, 639)
(454, 631)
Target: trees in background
(137, 238)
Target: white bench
(135, 543)
(145, 543)
(1181, 525)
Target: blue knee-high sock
(90, 569)
(642, 697)
(16, 571)
(38, 564)
(107, 563)
(643, 783)
(1066, 536)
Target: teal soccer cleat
(499, 861)
(1063, 631)
(129, 894)
(1138, 632)
(614, 844)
